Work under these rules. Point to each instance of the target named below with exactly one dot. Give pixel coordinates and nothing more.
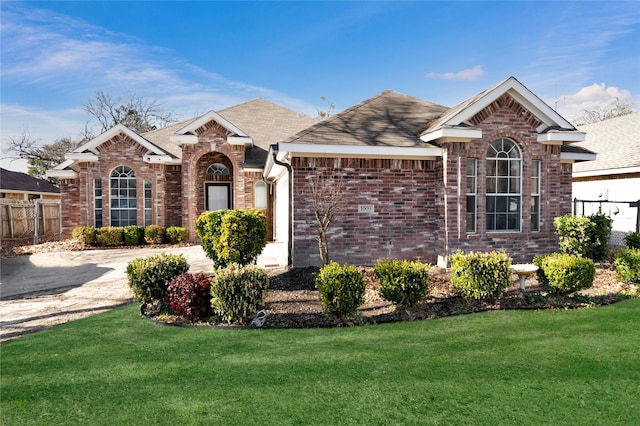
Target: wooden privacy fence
(38, 220)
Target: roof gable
(115, 131)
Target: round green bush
(402, 282)
(133, 235)
(565, 273)
(149, 276)
(110, 236)
(237, 291)
(341, 290)
(154, 234)
(86, 235)
(176, 234)
(627, 262)
(481, 275)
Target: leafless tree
(323, 114)
(327, 188)
(604, 112)
(139, 114)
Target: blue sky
(198, 56)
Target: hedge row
(110, 236)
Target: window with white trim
(148, 211)
(535, 195)
(503, 190)
(472, 177)
(97, 202)
(123, 196)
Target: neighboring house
(20, 187)
(169, 176)
(613, 176)
(417, 180)
(421, 180)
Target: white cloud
(573, 105)
(467, 74)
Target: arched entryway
(215, 182)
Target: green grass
(501, 367)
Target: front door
(218, 196)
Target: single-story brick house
(611, 183)
(169, 176)
(420, 180)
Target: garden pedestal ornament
(523, 270)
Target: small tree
(326, 187)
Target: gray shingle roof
(387, 119)
(16, 181)
(616, 141)
(266, 123)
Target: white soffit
(61, 174)
(606, 172)
(558, 137)
(81, 156)
(569, 157)
(452, 134)
(317, 150)
(161, 159)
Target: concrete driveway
(41, 290)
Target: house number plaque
(365, 208)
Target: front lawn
(499, 367)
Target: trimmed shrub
(481, 275)
(402, 282)
(154, 234)
(565, 273)
(133, 235)
(110, 236)
(232, 236)
(632, 240)
(238, 291)
(189, 295)
(341, 289)
(584, 235)
(176, 234)
(627, 263)
(85, 235)
(149, 276)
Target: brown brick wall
(419, 206)
(401, 225)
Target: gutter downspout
(290, 230)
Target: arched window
(504, 200)
(260, 196)
(123, 196)
(218, 171)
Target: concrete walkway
(40, 290)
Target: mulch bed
(293, 302)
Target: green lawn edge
(497, 367)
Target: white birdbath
(523, 270)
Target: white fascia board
(81, 156)
(240, 140)
(317, 150)
(570, 157)
(559, 137)
(607, 172)
(253, 169)
(211, 116)
(63, 165)
(161, 159)
(184, 139)
(452, 134)
(114, 131)
(521, 94)
(61, 174)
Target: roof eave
(452, 134)
(318, 150)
